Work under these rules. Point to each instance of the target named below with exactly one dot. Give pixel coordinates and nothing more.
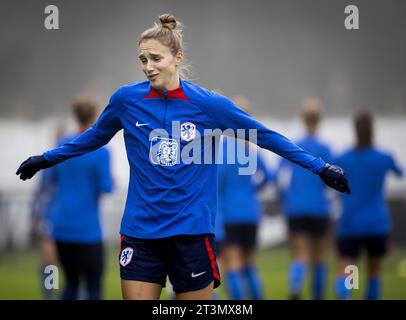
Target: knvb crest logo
(187, 131)
(126, 255)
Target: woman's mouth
(153, 76)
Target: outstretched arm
(228, 116)
(98, 135)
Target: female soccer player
(76, 228)
(307, 209)
(42, 226)
(364, 222)
(168, 223)
(42, 221)
(239, 205)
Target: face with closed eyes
(159, 65)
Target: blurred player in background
(241, 212)
(219, 234)
(42, 221)
(306, 206)
(168, 224)
(364, 223)
(75, 211)
(42, 224)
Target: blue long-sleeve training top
(166, 196)
(365, 211)
(238, 200)
(302, 193)
(75, 214)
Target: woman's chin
(154, 82)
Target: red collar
(171, 94)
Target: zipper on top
(165, 93)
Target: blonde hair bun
(168, 21)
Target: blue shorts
(188, 260)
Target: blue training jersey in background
(365, 212)
(75, 208)
(238, 202)
(42, 202)
(168, 197)
(302, 193)
(219, 230)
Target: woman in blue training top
(307, 210)
(168, 223)
(241, 209)
(364, 223)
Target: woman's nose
(149, 66)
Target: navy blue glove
(31, 166)
(334, 177)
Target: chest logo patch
(164, 151)
(187, 131)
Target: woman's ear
(179, 58)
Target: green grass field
(19, 275)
